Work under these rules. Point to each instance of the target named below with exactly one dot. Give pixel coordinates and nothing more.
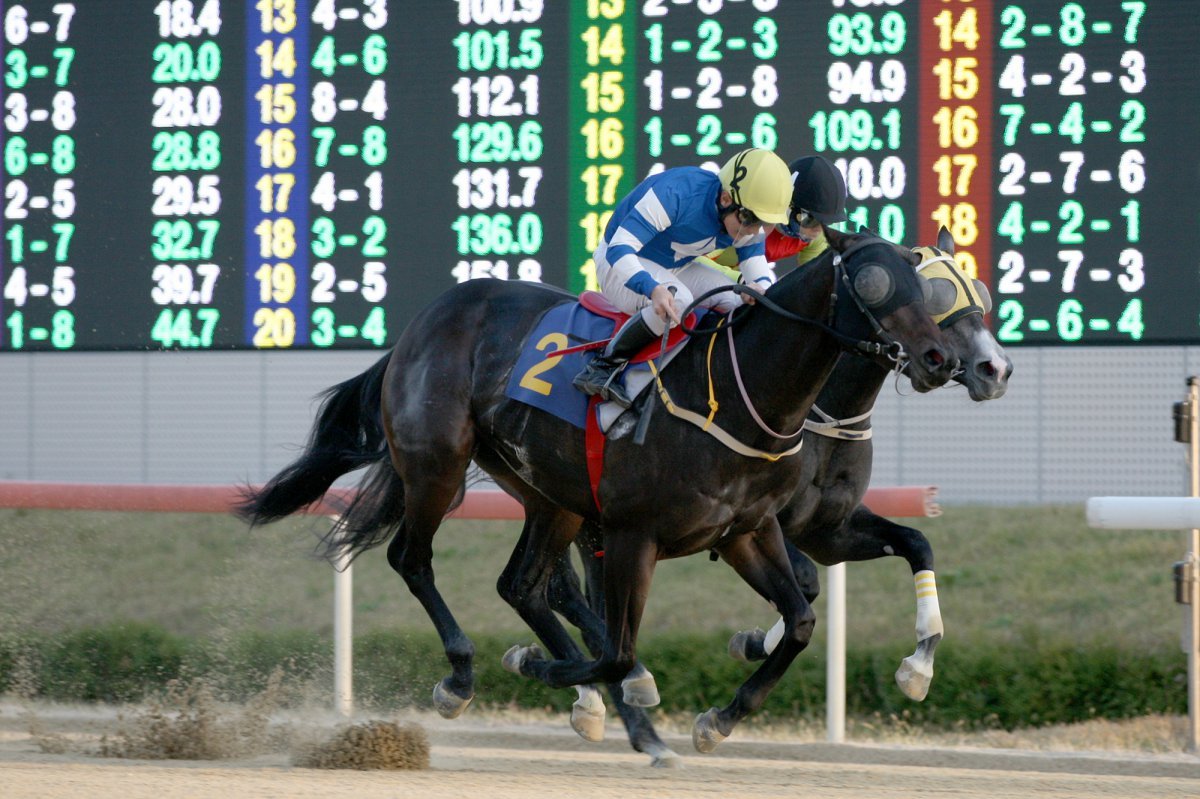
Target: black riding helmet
(818, 188)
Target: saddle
(598, 304)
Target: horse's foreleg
(762, 561)
(868, 536)
(754, 645)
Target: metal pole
(835, 656)
(343, 638)
(1193, 572)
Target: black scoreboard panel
(210, 174)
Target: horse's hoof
(638, 689)
(747, 645)
(914, 676)
(916, 671)
(587, 717)
(448, 704)
(665, 758)
(517, 654)
(705, 735)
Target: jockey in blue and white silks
(657, 231)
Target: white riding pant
(689, 281)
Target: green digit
(654, 131)
(16, 330)
(1072, 32)
(324, 242)
(710, 33)
(209, 318)
(1012, 314)
(374, 329)
(1014, 112)
(768, 44)
(891, 120)
(65, 56)
(62, 248)
(819, 122)
(17, 74)
(1070, 320)
(1072, 125)
(374, 149)
(322, 334)
(324, 58)
(62, 334)
(1131, 320)
(1136, 9)
(324, 136)
(654, 34)
(894, 30)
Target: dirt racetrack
(481, 759)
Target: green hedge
(974, 687)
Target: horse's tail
(347, 435)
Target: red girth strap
(594, 447)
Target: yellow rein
(707, 424)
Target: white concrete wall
(1074, 424)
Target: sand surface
(481, 758)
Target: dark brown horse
(421, 414)
(825, 517)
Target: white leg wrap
(929, 614)
(774, 636)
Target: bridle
(882, 345)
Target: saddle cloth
(545, 382)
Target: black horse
(825, 517)
(438, 401)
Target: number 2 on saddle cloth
(559, 347)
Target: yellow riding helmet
(759, 181)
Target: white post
(835, 656)
(343, 638)
(1192, 644)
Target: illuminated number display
(309, 174)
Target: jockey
(657, 231)
(818, 198)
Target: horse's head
(880, 297)
(957, 302)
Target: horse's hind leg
(527, 583)
(433, 475)
(586, 613)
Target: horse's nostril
(986, 369)
(934, 358)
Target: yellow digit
(965, 163)
(530, 380)
(965, 31)
(957, 77)
(957, 127)
(609, 9)
(276, 327)
(588, 270)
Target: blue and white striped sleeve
(753, 264)
(645, 220)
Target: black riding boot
(598, 377)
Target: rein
(830, 427)
(887, 346)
